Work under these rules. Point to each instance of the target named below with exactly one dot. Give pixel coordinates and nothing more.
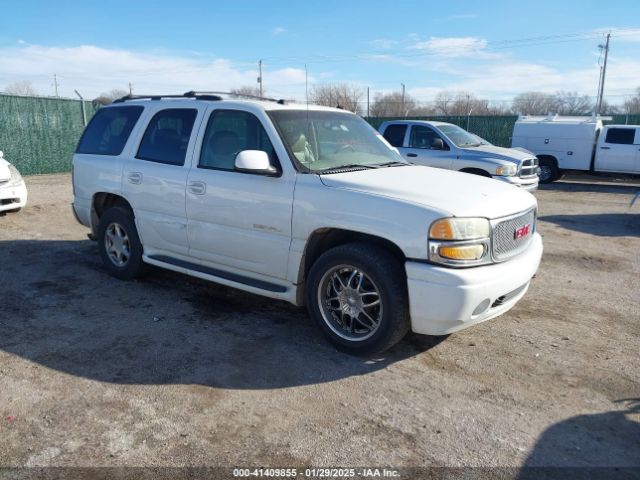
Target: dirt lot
(173, 371)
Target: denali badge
(522, 231)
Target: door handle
(412, 155)
(135, 177)
(605, 148)
(197, 188)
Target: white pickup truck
(305, 204)
(444, 145)
(578, 143)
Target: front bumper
(530, 184)
(12, 198)
(444, 300)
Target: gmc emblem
(522, 231)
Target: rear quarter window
(109, 130)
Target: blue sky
(492, 49)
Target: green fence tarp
(38, 134)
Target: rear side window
(621, 135)
(109, 130)
(394, 134)
(230, 132)
(167, 136)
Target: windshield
(461, 137)
(324, 141)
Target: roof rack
(280, 101)
(213, 96)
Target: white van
(578, 143)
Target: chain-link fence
(39, 134)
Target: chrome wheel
(350, 303)
(117, 245)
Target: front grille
(505, 244)
(529, 167)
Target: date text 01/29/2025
(316, 472)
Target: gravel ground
(173, 371)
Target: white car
(13, 191)
(305, 204)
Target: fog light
(462, 252)
(482, 307)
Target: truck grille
(529, 167)
(509, 238)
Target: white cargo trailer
(578, 143)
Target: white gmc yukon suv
(305, 204)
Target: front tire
(357, 294)
(119, 244)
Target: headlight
(16, 178)
(507, 171)
(460, 241)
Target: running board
(214, 272)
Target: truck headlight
(507, 171)
(460, 241)
(16, 178)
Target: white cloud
(452, 46)
(279, 30)
(93, 70)
(383, 43)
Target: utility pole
(604, 73)
(260, 75)
(403, 90)
(55, 84)
(367, 102)
(130, 89)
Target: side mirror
(255, 162)
(437, 144)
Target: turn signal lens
(507, 171)
(459, 229)
(465, 252)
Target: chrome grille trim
(529, 167)
(504, 245)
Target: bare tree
(442, 103)
(393, 105)
(607, 108)
(107, 98)
(632, 105)
(248, 90)
(22, 87)
(571, 103)
(341, 95)
(533, 103)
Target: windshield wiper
(395, 163)
(347, 166)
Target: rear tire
(357, 295)
(548, 171)
(119, 244)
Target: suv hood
(449, 192)
(508, 154)
(5, 174)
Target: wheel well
(102, 202)
(326, 238)
(476, 171)
(550, 158)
